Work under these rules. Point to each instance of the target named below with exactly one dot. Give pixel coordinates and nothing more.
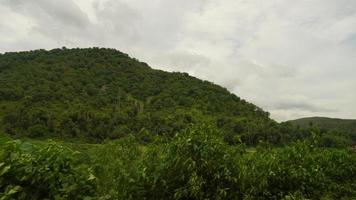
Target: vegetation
(49, 172)
(196, 164)
(96, 94)
(97, 124)
(335, 131)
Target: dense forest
(97, 124)
(96, 94)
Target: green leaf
(14, 190)
(4, 169)
(91, 177)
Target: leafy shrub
(38, 131)
(49, 172)
(197, 164)
(335, 141)
(116, 165)
(299, 169)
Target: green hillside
(345, 127)
(326, 122)
(98, 93)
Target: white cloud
(292, 58)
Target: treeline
(96, 126)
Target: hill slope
(344, 126)
(103, 93)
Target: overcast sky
(293, 58)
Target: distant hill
(98, 93)
(344, 126)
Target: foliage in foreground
(196, 164)
(49, 172)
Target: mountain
(345, 127)
(99, 93)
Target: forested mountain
(345, 127)
(98, 93)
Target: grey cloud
(293, 58)
(351, 40)
(304, 106)
(231, 83)
(65, 12)
(49, 23)
(183, 60)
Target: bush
(197, 164)
(49, 172)
(300, 169)
(116, 168)
(38, 131)
(333, 141)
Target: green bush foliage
(116, 164)
(199, 164)
(49, 172)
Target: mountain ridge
(323, 117)
(104, 93)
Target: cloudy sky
(293, 58)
